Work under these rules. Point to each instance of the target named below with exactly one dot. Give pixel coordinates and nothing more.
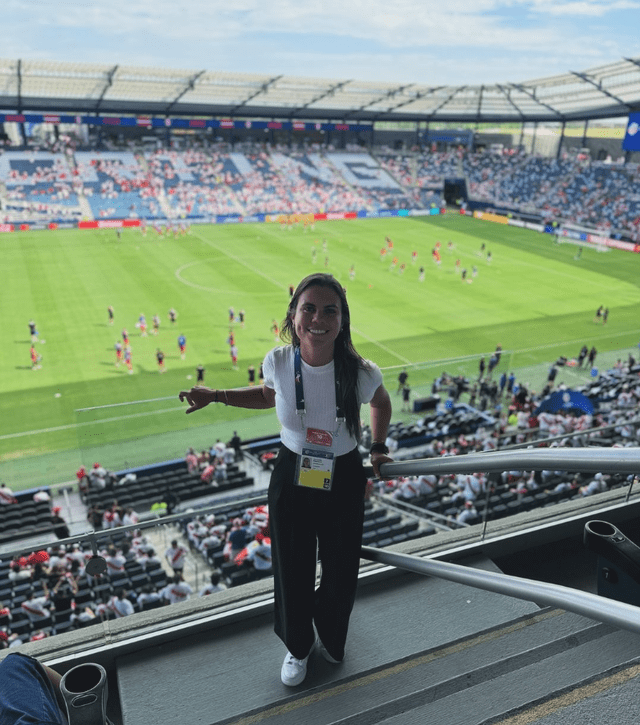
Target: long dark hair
(346, 359)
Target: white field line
(255, 270)
(70, 426)
(426, 363)
(462, 358)
(131, 402)
(239, 260)
(383, 347)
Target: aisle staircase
(420, 650)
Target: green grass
(534, 299)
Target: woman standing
(317, 383)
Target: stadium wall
(228, 219)
(562, 232)
(487, 215)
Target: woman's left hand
(377, 459)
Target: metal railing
(585, 460)
(618, 614)
(104, 535)
(588, 605)
(612, 460)
(590, 434)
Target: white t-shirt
(35, 608)
(261, 557)
(6, 495)
(120, 607)
(177, 592)
(320, 398)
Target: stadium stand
(200, 183)
(396, 511)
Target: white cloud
(463, 41)
(583, 8)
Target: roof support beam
(588, 79)
(479, 109)
(389, 94)
(532, 96)
(23, 133)
(263, 89)
(446, 100)
(329, 92)
(107, 85)
(559, 151)
(507, 95)
(189, 86)
(417, 97)
(19, 85)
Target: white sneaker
(325, 652)
(293, 670)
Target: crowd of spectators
(54, 590)
(51, 591)
(212, 464)
(240, 544)
(257, 179)
(521, 419)
(592, 194)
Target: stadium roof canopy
(603, 92)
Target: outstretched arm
(256, 397)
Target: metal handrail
(439, 521)
(588, 433)
(618, 614)
(617, 460)
(592, 606)
(586, 460)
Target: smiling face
(317, 322)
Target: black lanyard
(300, 405)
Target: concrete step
(420, 650)
(470, 683)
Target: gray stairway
(420, 650)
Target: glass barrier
(90, 582)
(167, 502)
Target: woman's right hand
(198, 397)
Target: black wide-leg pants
(299, 520)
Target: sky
(432, 42)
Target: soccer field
(534, 298)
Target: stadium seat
(21, 587)
(63, 616)
(239, 577)
(158, 577)
(152, 605)
(140, 580)
(102, 592)
(62, 627)
(369, 538)
(21, 627)
(120, 579)
(83, 596)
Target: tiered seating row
(151, 487)
(91, 593)
(25, 518)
